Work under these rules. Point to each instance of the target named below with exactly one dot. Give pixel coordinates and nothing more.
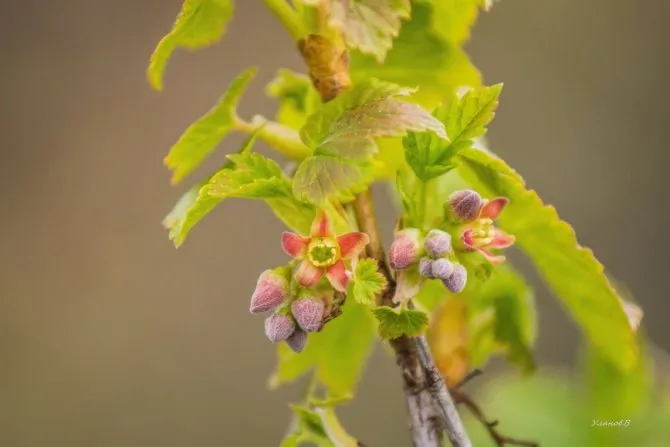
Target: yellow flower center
(482, 232)
(323, 251)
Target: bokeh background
(111, 337)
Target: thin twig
(444, 403)
(491, 426)
(468, 377)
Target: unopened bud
(297, 341)
(426, 267)
(308, 312)
(438, 243)
(442, 268)
(406, 248)
(279, 326)
(271, 291)
(465, 205)
(456, 281)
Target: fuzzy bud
(279, 326)
(465, 205)
(456, 281)
(438, 243)
(406, 248)
(308, 312)
(271, 290)
(442, 268)
(426, 267)
(297, 341)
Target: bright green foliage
(394, 323)
(437, 66)
(297, 99)
(572, 271)
(452, 19)
(337, 353)
(370, 25)
(196, 203)
(342, 135)
(464, 118)
(253, 176)
(502, 319)
(318, 425)
(247, 175)
(206, 133)
(368, 282)
(199, 23)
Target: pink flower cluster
(300, 301)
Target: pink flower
(481, 235)
(323, 253)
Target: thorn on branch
(491, 426)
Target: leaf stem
(282, 139)
(287, 16)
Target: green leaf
(452, 19)
(244, 174)
(370, 25)
(252, 176)
(196, 203)
(322, 177)
(571, 270)
(464, 118)
(342, 135)
(297, 98)
(437, 67)
(394, 323)
(502, 319)
(369, 110)
(337, 354)
(205, 134)
(199, 23)
(334, 430)
(368, 281)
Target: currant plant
(389, 97)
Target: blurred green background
(111, 337)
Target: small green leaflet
(394, 323)
(199, 23)
(297, 98)
(247, 175)
(368, 282)
(318, 425)
(370, 25)
(571, 270)
(438, 67)
(337, 354)
(253, 176)
(501, 314)
(342, 136)
(206, 133)
(464, 118)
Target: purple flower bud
(297, 341)
(278, 327)
(456, 282)
(438, 243)
(442, 268)
(465, 205)
(426, 267)
(308, 312)
(271, 291)
(405, 249)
